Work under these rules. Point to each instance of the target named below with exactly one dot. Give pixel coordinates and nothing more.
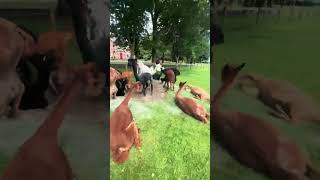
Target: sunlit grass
(174, 145)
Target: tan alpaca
(124, 132)
(289, 102)
(15, 44)
(198, 92)
(190, 106)
(255, 142)
(41, 157)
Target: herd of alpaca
(27, 63)
(124, 133)
(253, 141)
(40, 157)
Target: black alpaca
(34, 95)
(121, 85)
(144, 78)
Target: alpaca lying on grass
(255, 142)
(190, 106)
(40, 157)
(198, 92)
(123, 130)
(289, 102)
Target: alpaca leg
(137, 140)
(151, 88)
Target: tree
(154, 8)
(127, 23)
(183, 23)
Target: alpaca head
(229, 72)
(181, 84)
(132, 62)
(45, 62)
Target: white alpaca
(142, 68)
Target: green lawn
(174, 145)
(284, 49)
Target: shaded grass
(174, 145)
(284, 49)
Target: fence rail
(124, 65)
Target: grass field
(174, 145)
(284, 49)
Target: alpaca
(175, 70)
(56, 43)
(123, 130)
(40, 157)
(288, 102)
(15, 45)
(34, 94)
(198, 92)
(124, 83)
(114, 76)
(254, 142)
(141, 75)
(170, 79)
(190, 106)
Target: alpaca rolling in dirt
(190, 106)
(254, 142)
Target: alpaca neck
(54, 120)
(135, 72)
(126, 100)
(219, 95)
(178, 92)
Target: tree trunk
(91, 30)
(155, 17)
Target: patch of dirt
(158, 93)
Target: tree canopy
(179, 28)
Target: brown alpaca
(170, 79)
(190, 106)
(289, 102)
(127, 75)
(254, 142)
(41, 157)
(198, 92)
(124, 132)
(114, 75)
(57, 42)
